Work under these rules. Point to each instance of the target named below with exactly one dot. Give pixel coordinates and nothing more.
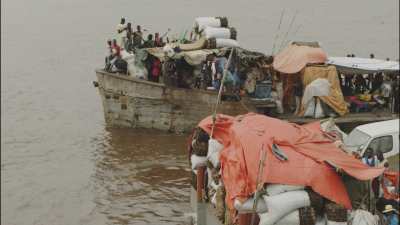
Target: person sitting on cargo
(137, 37)
(149, 43)
(390, 215)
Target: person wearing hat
(390, 215)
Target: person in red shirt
(116, 49)
(156, 70)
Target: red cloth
(117, 50)
(307, 149)
(156, 68)
(393, 176)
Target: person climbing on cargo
(149, 43)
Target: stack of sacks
(201, 23)
(205, 152)
(285, 205)
(216, 31)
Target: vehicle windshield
(356, 138)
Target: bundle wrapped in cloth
(299, 183)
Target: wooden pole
(214, 116)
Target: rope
(214, 116)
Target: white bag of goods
(247, 206)
(203, 22)
(292, 218)
(275, 189)
(198, 161)
(222, 43)
(213, 32)
(336, 223)
(362, 217)
(214, 148)
(314, 109)
(282, 204)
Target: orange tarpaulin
(307, 149)
(294, 58)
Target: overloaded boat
(263, 83)
(256, 170)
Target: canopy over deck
(350, 65)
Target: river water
(60, 165)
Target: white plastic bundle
(214, 148)
(275, 189)
(282, 204)
(362, 217)
(222, 43)
(336, 223)
(203, 22)
(217, 32)
(168, 50)
(247, 206)
(198, 161)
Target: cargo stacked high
(173, 86)
(253, 169)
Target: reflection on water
(142, 177)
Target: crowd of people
(386, 192)
(367, 92)
(129, 40)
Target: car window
(356, 138)
(383, 144)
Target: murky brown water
(61, 166)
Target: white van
(380, 136)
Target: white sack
(282, 204)
(291, 219)
(203, 22)
(222, 43)
(336, 223)
(198, 161)
(362, 217)
(314, 110)
(213, 32)
(214, 148)
(247, 206)
(275, 189)
(318, 87)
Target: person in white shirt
(121, 32)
